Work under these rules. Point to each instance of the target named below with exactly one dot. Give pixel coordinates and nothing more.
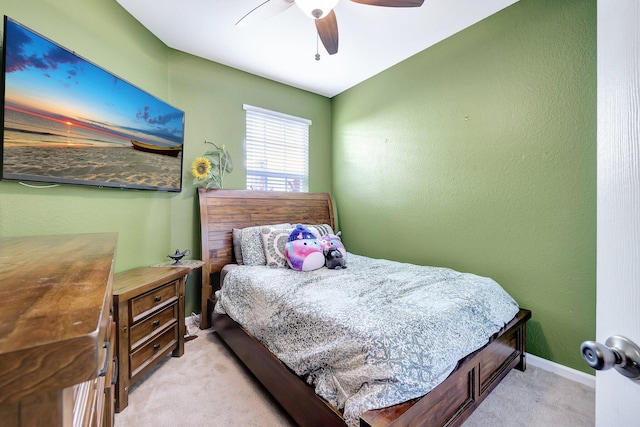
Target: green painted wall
(151, 224)
(477, 154)
(480, 154)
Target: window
(276, 150)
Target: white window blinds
(277, 151)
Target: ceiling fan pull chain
(317, 51)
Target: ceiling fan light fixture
(316, 9)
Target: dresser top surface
(53, 288)
(142, 279)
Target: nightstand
(149, 312)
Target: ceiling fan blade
(264, 10)
(328, 32)
(391, 3)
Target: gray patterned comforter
(373, 335)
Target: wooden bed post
(206, 289)
(207, 295)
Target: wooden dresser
(56, 330)
(149, 311)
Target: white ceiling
(283, 47)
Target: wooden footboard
(459, 395)
(449, 404)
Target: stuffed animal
(303, 250)
(334, 259)
(332, 241)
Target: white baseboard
(563, 371)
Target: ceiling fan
(321, 11)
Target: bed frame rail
(294, 395)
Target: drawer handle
(158, 298)
(103, 372)
(114, 378)
(156, 347)
(156, 323)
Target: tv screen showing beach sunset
(67, 120)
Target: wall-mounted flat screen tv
(69, 121)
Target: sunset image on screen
(68, 120)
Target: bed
(448, 404)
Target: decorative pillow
(274, 240)
(251, 245)
(303, 251)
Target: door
(618, 211)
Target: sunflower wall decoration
(208, 170)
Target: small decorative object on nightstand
(149, 313)
(177, 256)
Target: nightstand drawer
(159, 321)
(154, 299)
(154, 349)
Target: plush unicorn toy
(303, 250)
(334, 252)
(332, 241)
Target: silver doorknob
(618, 352)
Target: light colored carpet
(207, 386)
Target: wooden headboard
(223, 210)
